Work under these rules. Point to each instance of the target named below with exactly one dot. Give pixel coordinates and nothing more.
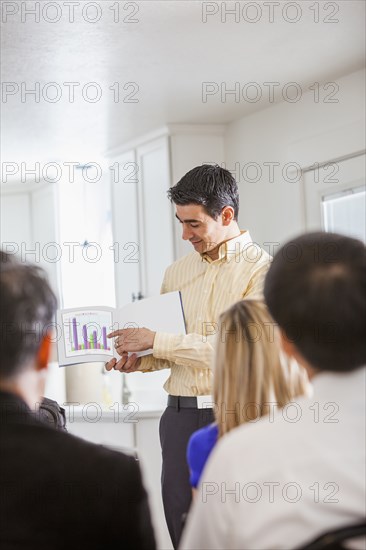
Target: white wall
(302, 132)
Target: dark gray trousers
(176, 427)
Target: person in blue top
(252, 378)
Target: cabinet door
(155, 214)
(127, 257)
(116, 435)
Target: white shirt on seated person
(288, 478)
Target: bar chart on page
(86, 332)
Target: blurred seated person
(252, 378)
(282, 484)
(56, 491)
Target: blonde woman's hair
(250, 371)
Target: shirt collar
(230, 249)
(325, 382)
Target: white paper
(82, 332)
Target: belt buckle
(204, 402)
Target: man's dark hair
(315, 290)
(27, 308)
(210, 186)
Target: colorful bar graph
(86, 332)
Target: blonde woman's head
(250, 371)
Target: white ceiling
(168, 53)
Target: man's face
(202, 231)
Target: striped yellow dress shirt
(207, 287)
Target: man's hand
(132, 339)
(125, 364)
(128, 340)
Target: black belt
(182, 402)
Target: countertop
(117, 412)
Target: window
(335, 196)
(85, 231)
(345, 213)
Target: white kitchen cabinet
(155, 214)
(142, 220)
(117, 435)
(132, 430)
(144, 225)
(125, 226)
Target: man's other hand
(125, 364)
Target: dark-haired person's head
(6, 258)
(207, 206)
(27, 308)
(315, 290)
(209, 186)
